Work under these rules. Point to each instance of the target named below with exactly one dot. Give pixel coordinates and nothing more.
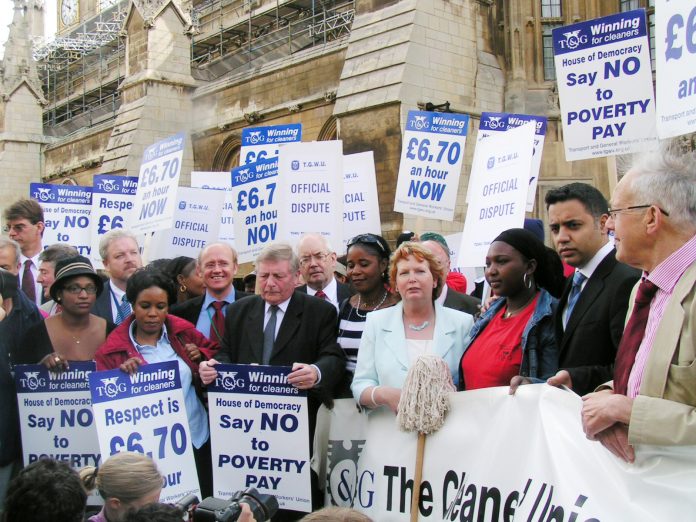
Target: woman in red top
(515, 335)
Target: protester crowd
(618, 330)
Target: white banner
(523, 457)
(497, 190)
(219, 181)
(260, 434)
(112, 200)
(492, 122)
(431, 162)
(261, 143)
(310, 179)
(605, 86)
(360, 203)
(675, 60)
(67, 210)
(155, 199)
(55, 414)
(145, 412)
(256, 207)
(196, 223)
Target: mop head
(424, 396)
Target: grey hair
(6, 242)
(320, 237)
(666, 178)
(113, 235)
(278, 252)
(56, 252)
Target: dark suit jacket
(307, 334)
(102, 306)
(342, 291)
(191, 308)
(588, 345)
(462, 302)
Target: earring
(182, 288)
(57, 299)
(528, 281)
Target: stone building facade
(349, 69)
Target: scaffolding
(81, 71)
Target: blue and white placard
(605, 86)
(67, 210)
(259, 433)
(500, 122)
(675, 60)
(261, 143)
(431, 162)
(55, 414)
(310, 178)
(196, 223)
(155, 199)
(112, 201)
(360, 202)
(497, 190)
(256, 207)
(219, 181)
(145, 412)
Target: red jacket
(118, 347)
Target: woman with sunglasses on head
(74, 334)
(394, 338)
(515, 336)
(367, 263)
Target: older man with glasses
(652, 398)
(317, 262)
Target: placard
(112, 201)
(310, 178)
(219, 181)
(145, 412)
(360, 201)
(261, 143)
(500, 122)
(256, 207)
(259, 433)
(158, 181)
(497, 190)
(431, 162)
(67, 210)
(196, 223)
(55, 414)
(605, 86)
(675, 61)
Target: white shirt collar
(593, 263)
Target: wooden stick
(417, 477)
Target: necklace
(357, 308)
(77, 341)
(510, 313)
(419, 327)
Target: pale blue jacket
(383, 357)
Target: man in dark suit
(217, 266)
(317, 263)
(592, 310)
(120, 255)
(305, 335)
(448, 297)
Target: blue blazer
(383, 357)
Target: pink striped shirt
(665, 276)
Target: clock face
(68, 12)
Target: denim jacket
(539, 349)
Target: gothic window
(547, 47)
(628, 5)
(551, 9)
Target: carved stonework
(149, 8)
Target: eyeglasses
(76, 289)
(16, 228)
(369, 239)
(319, 256)
(613, 211)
